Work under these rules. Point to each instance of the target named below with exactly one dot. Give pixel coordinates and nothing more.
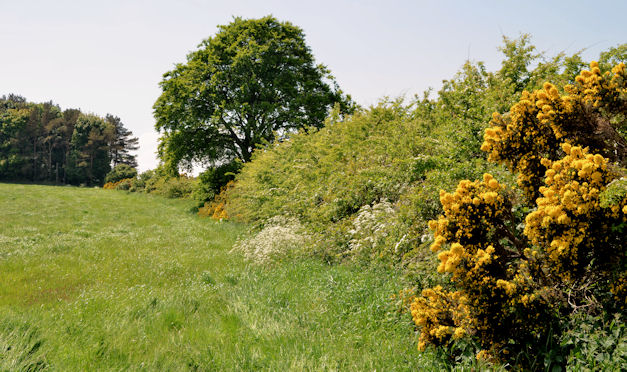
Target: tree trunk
(35, 159)
(91, 167)
(49, 162)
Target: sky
(109, 56)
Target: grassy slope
(93, 279)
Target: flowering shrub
(216, 207)
(517, 273)
(120, 172)
(214, 210)
(123, 184)
(375, 233)
(494, 288)
(280, 238)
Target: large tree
(253, 79)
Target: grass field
(103, 280)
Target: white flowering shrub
(376, 233)
(280, 237)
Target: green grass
(104, 280)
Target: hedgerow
(401, 152)
(325, 177)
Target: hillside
(97, 280)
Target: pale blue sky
(108, 56)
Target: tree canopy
(39, 142)
(253, 79)
(122, 142)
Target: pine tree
(122, 142)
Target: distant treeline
(39, 142)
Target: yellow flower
(566, 147)
(490, 197)
(433, 225)
(457, 249)
(483, 355)
(459, 333)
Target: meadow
(92, 279)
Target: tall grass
(101, 280)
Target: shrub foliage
(120, 172)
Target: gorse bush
(120, 172)
(216, 207)
(521, 261)
(212, 181)
(535, 126)
(123, 184)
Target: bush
(324, 178)
(159, 182)
(522, 264)
(216, 207)
(124, 184)
(174, 187)
(376, 234)
(213, 180)
(280, 238)
(120, 172)
(328, 175)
